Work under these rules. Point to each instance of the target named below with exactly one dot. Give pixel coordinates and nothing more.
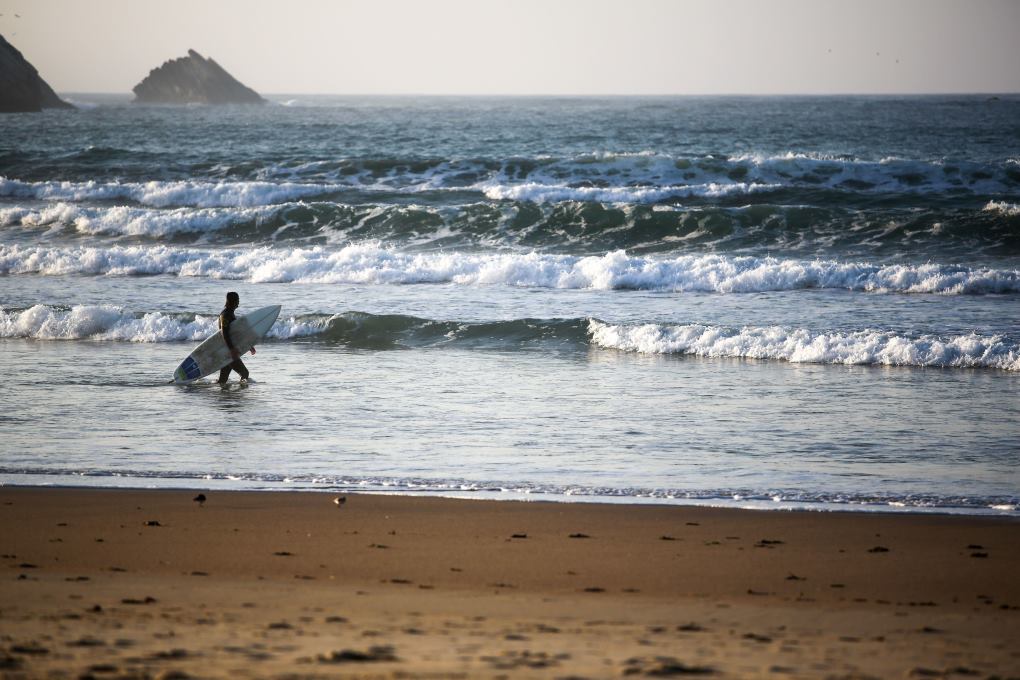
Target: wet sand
(118, 583)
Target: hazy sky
(531, 46)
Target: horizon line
(964, 93)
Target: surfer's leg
(224, 374)
(240, 368)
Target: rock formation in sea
(193, 80)
(21, 88)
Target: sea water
(763, 302)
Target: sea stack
(193, 80)
(21, 88)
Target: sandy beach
(486, 340)
(122, 583)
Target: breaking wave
(357, 329)
(577, 227)
(799, 345)
(184, 193)
(559, 193)
(132, 221)
(1003, 208)
(101, 322)
(607, 177)
(380, 332)
(375, 264)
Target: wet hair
(233, 297)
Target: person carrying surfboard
(226, 318)
(223, 349)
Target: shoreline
(721, 503)
(150, 581)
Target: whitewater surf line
(373, 263)
(634, 177)
(359, 329)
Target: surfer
(226, 318)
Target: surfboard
(213, 354)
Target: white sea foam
(371, 263)
(888, 174)
(649, 177)
(100, 322)
(1003, 208)
(869, 347)
(554, 193)
(611, 178)
(132, 221)
(798, 345)
(166, 194)
(106, 322)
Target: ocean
(806, 303)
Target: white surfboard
(213, 354)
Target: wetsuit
(226, 318)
